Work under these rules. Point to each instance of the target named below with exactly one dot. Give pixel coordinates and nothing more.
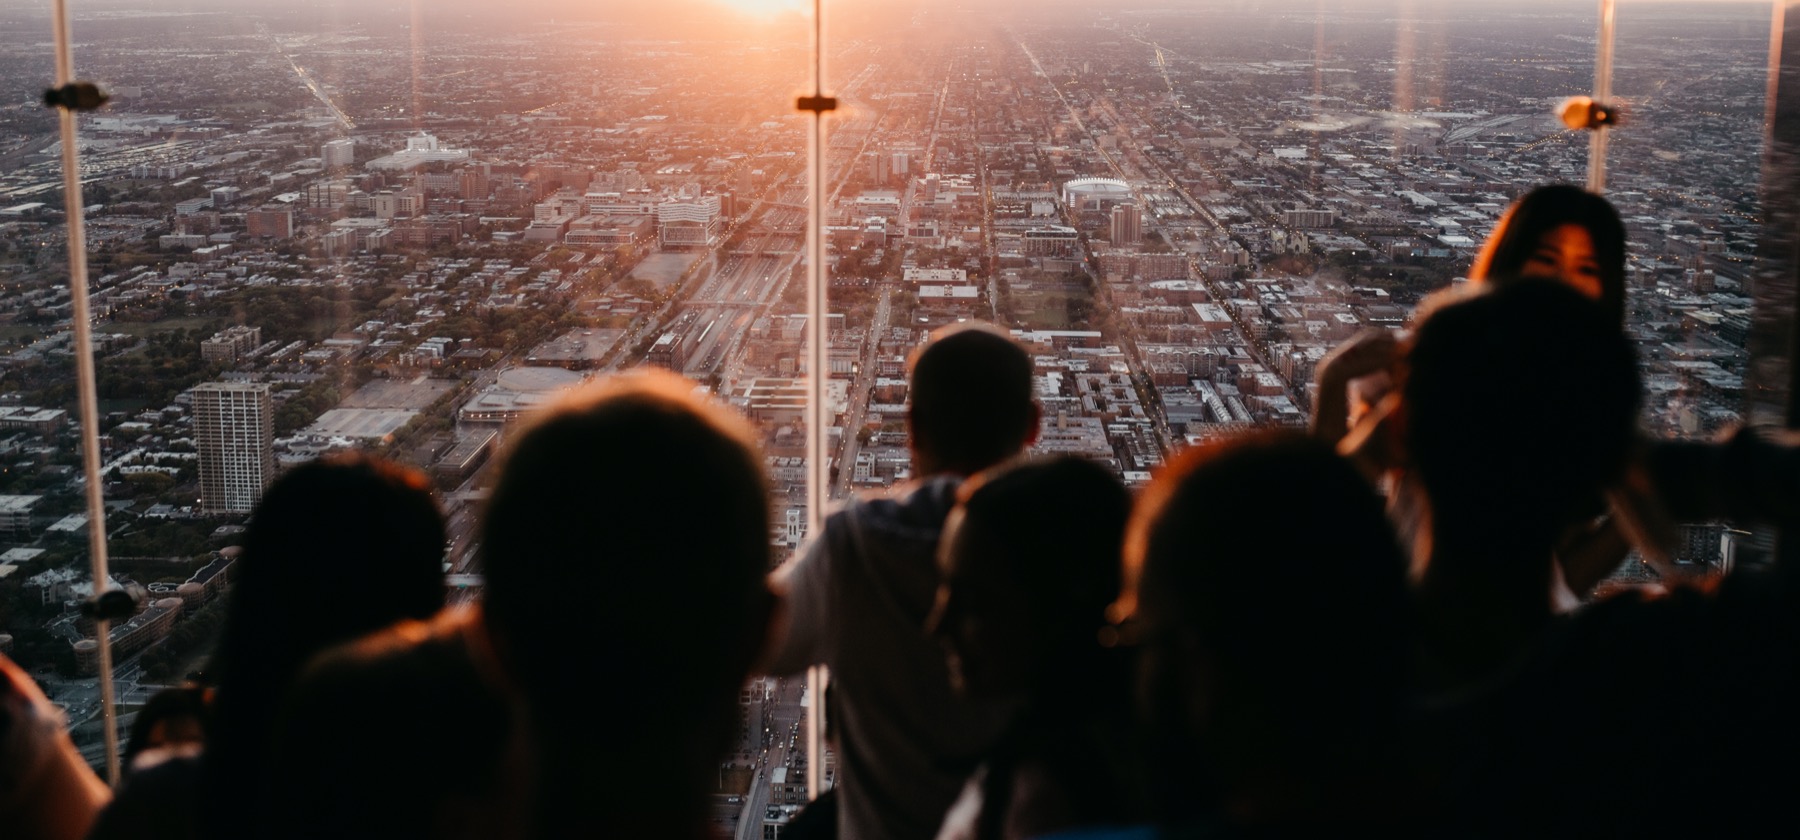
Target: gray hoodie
(857, 601)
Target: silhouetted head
(366, 525)
(1271, 599)
(629, 532)
(972, 405)
(1560, 232)
(1518, 409)
(337, 548)
(1031, 563)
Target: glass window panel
(1685, 170)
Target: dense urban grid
(396, 230)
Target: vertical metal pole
(1603, 61)
(817, 417)
(1772, 381)
(84, 373)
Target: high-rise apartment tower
(234, 426)
(1127, 225)
(338, 152)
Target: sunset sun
(766, 8)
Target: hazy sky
(634, 8)
(674, 18)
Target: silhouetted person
(1517, 410)
(337, 548)
(368, 525)
(594, 691)
(1635, 716)
(857, 596)
(626, 546)
(1271, 599)
(1031, 565)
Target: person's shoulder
(160, 800)
(399, 693)
(407, 663)
(918, 506)
(174, 773)
(440, 636)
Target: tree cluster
(304, 407)
(167, 364)
(302, 313)
(191, 635)
(163, 539)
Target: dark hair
(337, 548)
(1520, 404)
(972, 405)
(397, 734)
(629, 523)
(368, 525)
(1054, 528)
(1051, 530)
(629, 532)
(1544, 209)
(1267, 561)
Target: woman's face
(1566, 253)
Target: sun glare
(766, 8)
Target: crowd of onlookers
(1383, 625)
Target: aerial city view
(397, 227)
